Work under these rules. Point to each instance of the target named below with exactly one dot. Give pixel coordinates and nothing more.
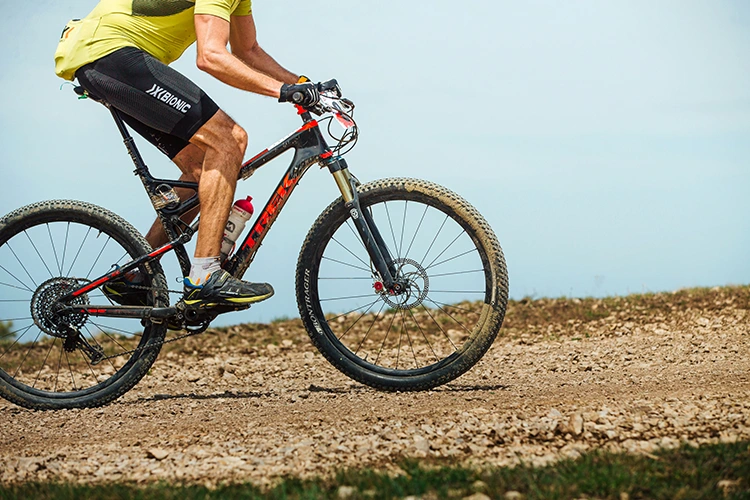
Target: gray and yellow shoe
(223, 289)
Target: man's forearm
(232, 71)
(259, 60)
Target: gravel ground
(255, 402)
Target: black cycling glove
(305, 94)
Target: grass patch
(716, 471)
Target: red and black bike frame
(310, 148)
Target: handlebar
(331, 100)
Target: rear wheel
(452, 303)
(47, 359)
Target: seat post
(135, 155)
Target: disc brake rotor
(413, 277)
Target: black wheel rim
(39, 259)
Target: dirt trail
(257, 401)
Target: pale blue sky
(607, 143)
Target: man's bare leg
(220, 145)
(224, 143)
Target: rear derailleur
(74, 340)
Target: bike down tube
(309, 146)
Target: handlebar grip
(297, 97)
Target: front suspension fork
(378, 251)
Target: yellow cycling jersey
(163, 28)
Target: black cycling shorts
(157, 101)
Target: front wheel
(447, 315)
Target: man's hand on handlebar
(304, 94)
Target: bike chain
(150, 346)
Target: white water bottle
(241, 212)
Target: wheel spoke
(400, 336)
(41, 367)
(413, 238)
(433, 240)
(21, 264)
(24, 285)
(437, 359)
(403, 226)
(65, 247)
(445, 250)
(367, 333)
(54, 250)
(350, 278)
(452, 258)
(349, 297)
(91, 335)
(110, 337)
(19, 337)
(350, 252)
(28, 351)
(450, 316)
(85, 237)
(439, 326)
(357, 320)
(96, 261)
(453, 306)
(70, 369)
(91, 368)
(353, 310)
(346, 264)
(457, 273)
(386, 337)
(390, 224)
(40, 255)
(59, 365)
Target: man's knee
(240, 137)
(224, 135)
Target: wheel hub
(46, 306)
(413, 285)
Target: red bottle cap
(245, 205)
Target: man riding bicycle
(120, 54)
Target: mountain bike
(400, 283)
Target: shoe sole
(238, 301)
(121, 298)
